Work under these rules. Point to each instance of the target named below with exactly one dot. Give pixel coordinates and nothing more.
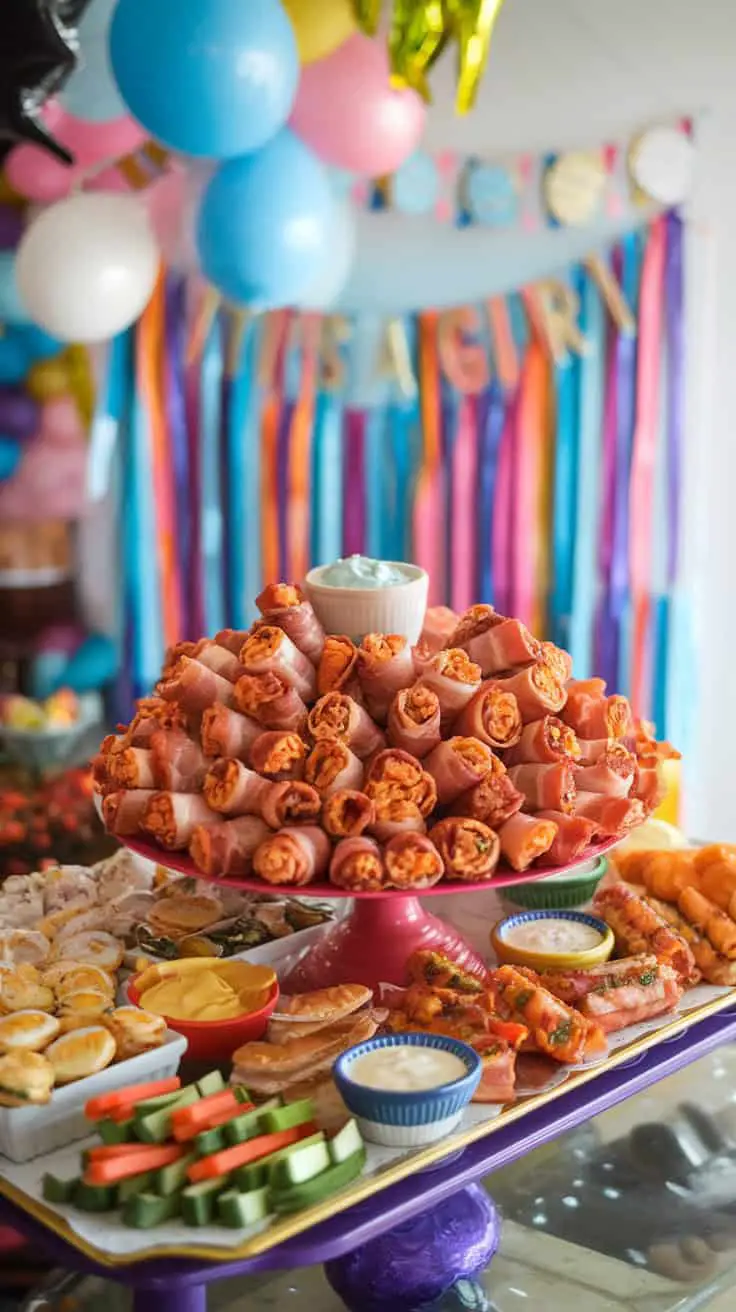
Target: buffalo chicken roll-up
(414, 720)
(612, 774)
(457, 765)
(396, 816)
(272, 701)
(284, 605)
(637, 928)
(232, 639)
(473, 623)
(546, 787)
(559, 661)
(455, 679)
(495, 799)
(179, 763)
(536, 689)
(174, 654)
(278, 755)
(338, 665)
(618, 993)
(331, 766)
(385, 667)
(649, 785)
(594, 715)
(338, 716)
(440, 623)
(574, 835)
(225, 732)
(171, 818)
(614, 816)
(559, 1031)
(469, 849)
(347, 813)
(504, 646)
(133, 767)
(219, 659)
(493, 716)
(357, 865)
(524, 838)
(226, 848)
(290, 803)
(296, 855)
(152, 714)
(269, 651)
(394, 775)
(544, 741)
(230, 788)
(195, 687)
(123, 812)
(412, 862)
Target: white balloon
(87, 266)
(325, 290)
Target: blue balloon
(212, 78)
(12, 309)
(38, 344)
(265, 224)
(14, 360)
(10, 457)
(93, 665)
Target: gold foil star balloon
(417, 35)
(368, 15)
(472, 23)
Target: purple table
(416, 1210)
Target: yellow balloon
(48, 379)
(7, 195)
(80, 380)
(320, 26)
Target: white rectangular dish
(28, 1132)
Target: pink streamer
(464, 494)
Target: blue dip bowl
(408, 1120)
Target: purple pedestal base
(180, 1298)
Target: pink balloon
(173, 204)
(348, 112)
(39, 176)
(61, 423)
(50, 483)
(91, 143)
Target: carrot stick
(98, 1108)
(188, 1121)
(102, 1171)
(184, 1133)
(209, 1168)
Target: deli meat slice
(546, 787)
(226, 848)
(574, 835)
(284, 605)
(194, 686)
(179, 764)
(225, 732)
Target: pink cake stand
(371, 945)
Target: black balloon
(38, 52)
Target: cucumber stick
(298, 1196)
(240, 1209)
(144, 1211)
(198, 1201)
(346, 1142)
(285, 1118)
(300, 1166)
(56, 1190)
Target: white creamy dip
(407, 1069)
(362, 572)
(550, 935)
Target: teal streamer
(212, 519)
(378, 483)
(402, 454)
(327, 462)
(243, 533)
(249, 548)
(567, 386)
(680, 718)
(587, 500)
(143, 578)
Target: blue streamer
(567, 389)
(241, 529)
(491, 432)
(631, 249)
(143, 583)
(327, 464)
(209, 447)
(249, 496)
(587, 511)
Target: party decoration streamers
(327, 480)
(490, 418)
(416, 37)
(211, 510)
(563, 504)
(106, 423)
(300, 453)
(472, 23)
(464, 487)
(530, 421)
(590, 415)
(428, 538)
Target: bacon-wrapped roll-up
(422, 655)
(179, 764)
(232, 639)
(269, 651)
(174, 654)
(133, 767)
(546, 787)
(618, 993)
(412, 862)
(284, 604)
(338, 716)
(649, 786)
(278, 755)
(612, 774)
(574, 834)
(614, 816)
(473, 622)
(559, 661)
(102, 781)
(637, 928)
(295, 855)
(272, 701)
(195, 687)
(385, 666)
(544, 741)
(357, 864)
(555, 1029)
(290, 803)
(455, 678)
(218, 658)
(171, 818)
(536, 689)
(469, 849)
(572, 985)
(347, 813)
(338, 665)
(456, 765)
(593, 715)
(493, 716)
(440, 623)
(152, 714)
(395, 816)
(495, 799)
(230, 788)
(123, 811)
(502, 646)
(414, 721)
(225, 732)
(394, 775)
(226, 848)
(591, 749)
(524, 838)
(331, 766)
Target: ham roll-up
(357, 865)
(396, 776)
(230, 788)
(574, 835)
(469, 849)
(619, 993)
(278, 755)
(133, 767)
(422, 656)
(123, 812)
(385, 667)
(614, 816)
(295, 856)
(396, 816)
(591, 749)
(457, 765)
(152, 714)
(269, 651)
(414, 721)
(524, 838)
(174, 654)
(338, 665)
(232, 639)
(338, 716)
(495, 799)
(546, 787)
(284, 605)
(594, 715)
(455, 678)
(179, 763)
(559, 1031)
(102, 781)
(195, 687)
(226, 848)
(439, 624)
(558, 660)
(504, 646)
(331, 766)
(171, 818)
(649, 786)
(637, 927)
(537, 691)
(575, 983)
(473, 623)
(493, 716)
(612, 774)
(219, 659)
(347, 813)
(412, 862)
(225, 732)
(272, 701)
(544, 741)
(290, 803)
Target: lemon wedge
(654, 836)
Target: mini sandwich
(26, 1079)
(316, 1011)
(29, 1031)
(183, 914)
(135, 1030)
(80, 1053)
(268, 1068)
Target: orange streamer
(299, 485)
(428, 534)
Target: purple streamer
(353, 501)
(675, 386)
(282, 483)
(174, 348)
(226, 400)
(195, 572)
(606, 632)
